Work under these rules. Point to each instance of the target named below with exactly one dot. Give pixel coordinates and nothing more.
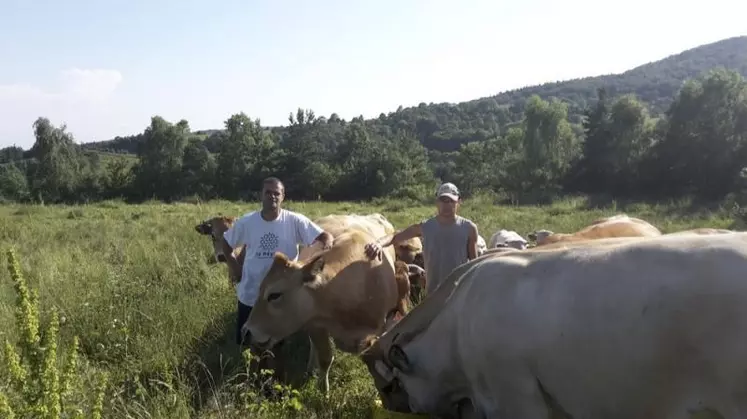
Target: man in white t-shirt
(272, 229)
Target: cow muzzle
(419, 260)
(391, 393)
(256, 341)
(221, 258)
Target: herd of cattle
(616, 320)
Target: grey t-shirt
(444, 248)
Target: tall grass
(111, 310)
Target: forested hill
(445, 126)
(603, 135)
(654, 83)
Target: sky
(104, 68)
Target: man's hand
(234, 277)
(373, 250)
(234, 269)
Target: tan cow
(506, 238)
(215, 227)
(616, 226)
(586, 329)
(339, 293)
(409, 251)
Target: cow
(215, 227)
(620, 225)
(507, 238)
(409, 251)
(339, 293)
(631, 327)
(481, 245)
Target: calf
(215, 227)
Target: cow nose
(221, 258)
(418, 260)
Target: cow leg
(321, 343)
(311, 362)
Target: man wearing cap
(449, 240)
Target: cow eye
(274, 296)
(399, 359)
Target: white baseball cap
(448, 189)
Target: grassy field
(154, 322)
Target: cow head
(402, 379)
(410, 251)
(540, 236)
(408, 374)
(285, 302)
(393, 395)
(215, 227)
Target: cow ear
(312, 269)
(280, 260)
(203, 228)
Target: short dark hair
(273, 180)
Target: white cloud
(79, 98)
(90, 85)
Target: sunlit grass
(131, 282)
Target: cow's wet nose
(221, 258)
(418, 260)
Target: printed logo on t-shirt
(267, 246)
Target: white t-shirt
(263, 239)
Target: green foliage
(670, 129)
(32, 385)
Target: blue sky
(105, 67)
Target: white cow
(614, 328)
(507, 238)
(481, 246)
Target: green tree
(703, 150)
(56, 174)
(548, 147)
(159, 170)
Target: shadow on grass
(216, 361)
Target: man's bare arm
(233, 265)
(410, 232)
(325, 239)
(374, 249)
(472, 242)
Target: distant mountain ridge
(655, 83)
(445, 126)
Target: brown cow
(215, 227)
(339, 293)
(615, 226)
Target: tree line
(618, 147)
